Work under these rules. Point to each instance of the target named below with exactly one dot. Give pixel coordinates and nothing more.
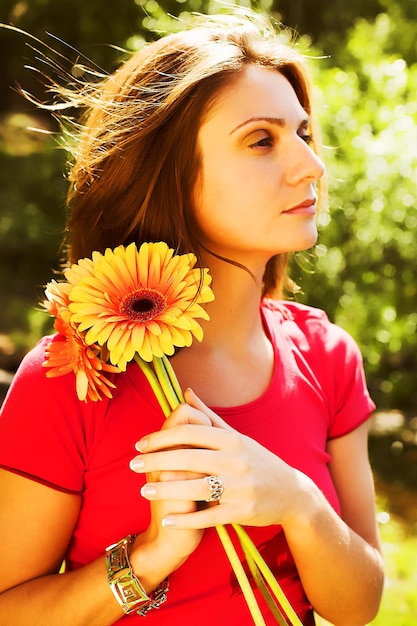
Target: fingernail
(136, 464)
(148, 491)
(141, 444)
(168, 522)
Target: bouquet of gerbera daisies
(140, 305)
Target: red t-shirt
(317, 392)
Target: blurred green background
(363, 270)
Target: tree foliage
(365, 262)
(366, 85)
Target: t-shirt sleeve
(42, 425)
(336, 360)
(346, 384)
(340, 367)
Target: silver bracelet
(126, 587)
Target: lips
(307, 207)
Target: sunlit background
(363, 270)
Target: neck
(235, 318)
(234, 362)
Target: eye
(305, 136)
(263, 143)
(262, 140)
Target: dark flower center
(142, 305)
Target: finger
(197, 490)
(156, 477)
(187, 460)
(193, 400)
(205, 518)
(192, 435)
(186, 414)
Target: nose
(304, 164)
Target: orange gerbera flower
(141, 302)
(71, 354)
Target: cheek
(197, 202)
(210, 213)
(220, 187)
(197, 192)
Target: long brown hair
(135, 156)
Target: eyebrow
(277, 121)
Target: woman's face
(256, 190)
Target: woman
(204, 140)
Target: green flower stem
(165, 382)
(268, 597)
(173, 378)
(241, 576)
(153, 381)
(267, 574)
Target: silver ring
(216, 488)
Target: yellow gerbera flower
(141, 302)
(58, 293)
(57, 298)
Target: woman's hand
(156, 542)
(252, 476)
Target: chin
(309, 240)
(303, 243)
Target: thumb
(194, 401)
